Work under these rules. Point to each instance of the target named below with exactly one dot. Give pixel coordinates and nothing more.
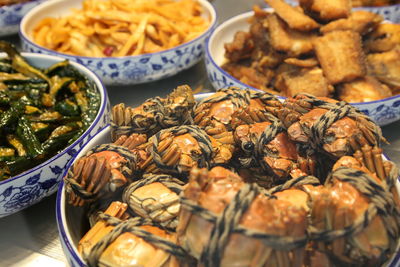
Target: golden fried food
(287, 40)
(280, 54)
(327, 10)
(341, 56)
(307, 63)
(293, 17)
(250, 75)
(115, 28)
(296, 80)
(363, 90)
(384, 38)
(360, 21)
(386, 67)
(241, 48)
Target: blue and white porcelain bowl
(31, 186)
(72, 223)
(121, 70)
(70, 219)
(11, 15)
(383, 112)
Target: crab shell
(277, 158)
(336, 208)
(131, 250)
(179, 149)
(99, 174)
(127, 249)
(150, 198)
(345, 133)
(228, 108)
(154, 114)
(339, 205)
(213, 191)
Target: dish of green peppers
(42, 111)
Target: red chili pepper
(108, 51)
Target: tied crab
(100, 173)
(325, 125)
(227, 222)
(154, 114)
(178, 149)
(118, 240)
(355, 217)
(267, 155)
(155, 197)
(228, 108)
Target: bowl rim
(25, 37)
(16, 5)
(241, 16)
(104, 101)
(60, 205)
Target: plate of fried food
(11, 13)
(232, 178)
(326, 50)
(123, 42)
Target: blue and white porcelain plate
(383, 112)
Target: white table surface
(30, 237)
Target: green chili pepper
(67, 108)
(28, 137)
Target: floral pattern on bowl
(31, 186)
(129, 69)
(11, 15)
(383, 112)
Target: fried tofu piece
(341, 56)
(327, 10)
(360, 21)
(293, 80)
(294, 17)
(363, 90)
(284, 39)
(386, 67)
(384, 38)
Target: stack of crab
(237, 179)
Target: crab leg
(100, 229)
(377, 156)
(369, 163)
